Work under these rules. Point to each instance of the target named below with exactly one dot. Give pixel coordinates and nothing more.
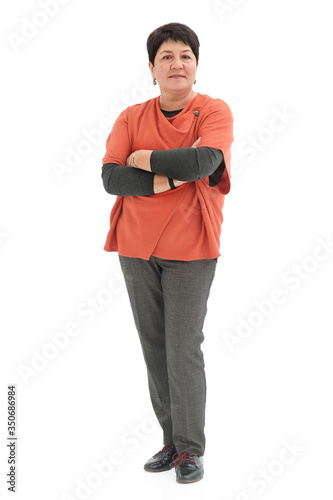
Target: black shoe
(162, 461)
(189, 467)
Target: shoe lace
(167, 448)
(182, 457)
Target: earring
(154, 81)
(194, 82)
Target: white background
(90, 401)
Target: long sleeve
(186, 164)
(127, 181)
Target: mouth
(177, 76)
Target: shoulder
(133, 112)
(138, 109)
(215, 109)
(211, 104)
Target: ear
(151, 67)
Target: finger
(196, 143)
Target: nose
(177, 63)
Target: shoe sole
(180, 481)
(189, 482)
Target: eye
(166, 57)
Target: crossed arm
(148, 172)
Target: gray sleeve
(127, 181)
(183, 164)
(186, 164)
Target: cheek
(192, 68)
(163, 71)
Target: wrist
(171, 183)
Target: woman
(168, 160)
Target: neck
(173, 102)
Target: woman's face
(175, 67)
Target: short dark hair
(172, 31)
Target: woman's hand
(179, 183)
(140, 159)
(196, 143)
(129, 161)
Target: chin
(179, 86)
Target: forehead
(172, 46)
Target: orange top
(179, 224)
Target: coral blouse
(182, 223)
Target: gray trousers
(169, 304)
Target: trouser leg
(169, 304)
(143, 283)
(186, 287)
